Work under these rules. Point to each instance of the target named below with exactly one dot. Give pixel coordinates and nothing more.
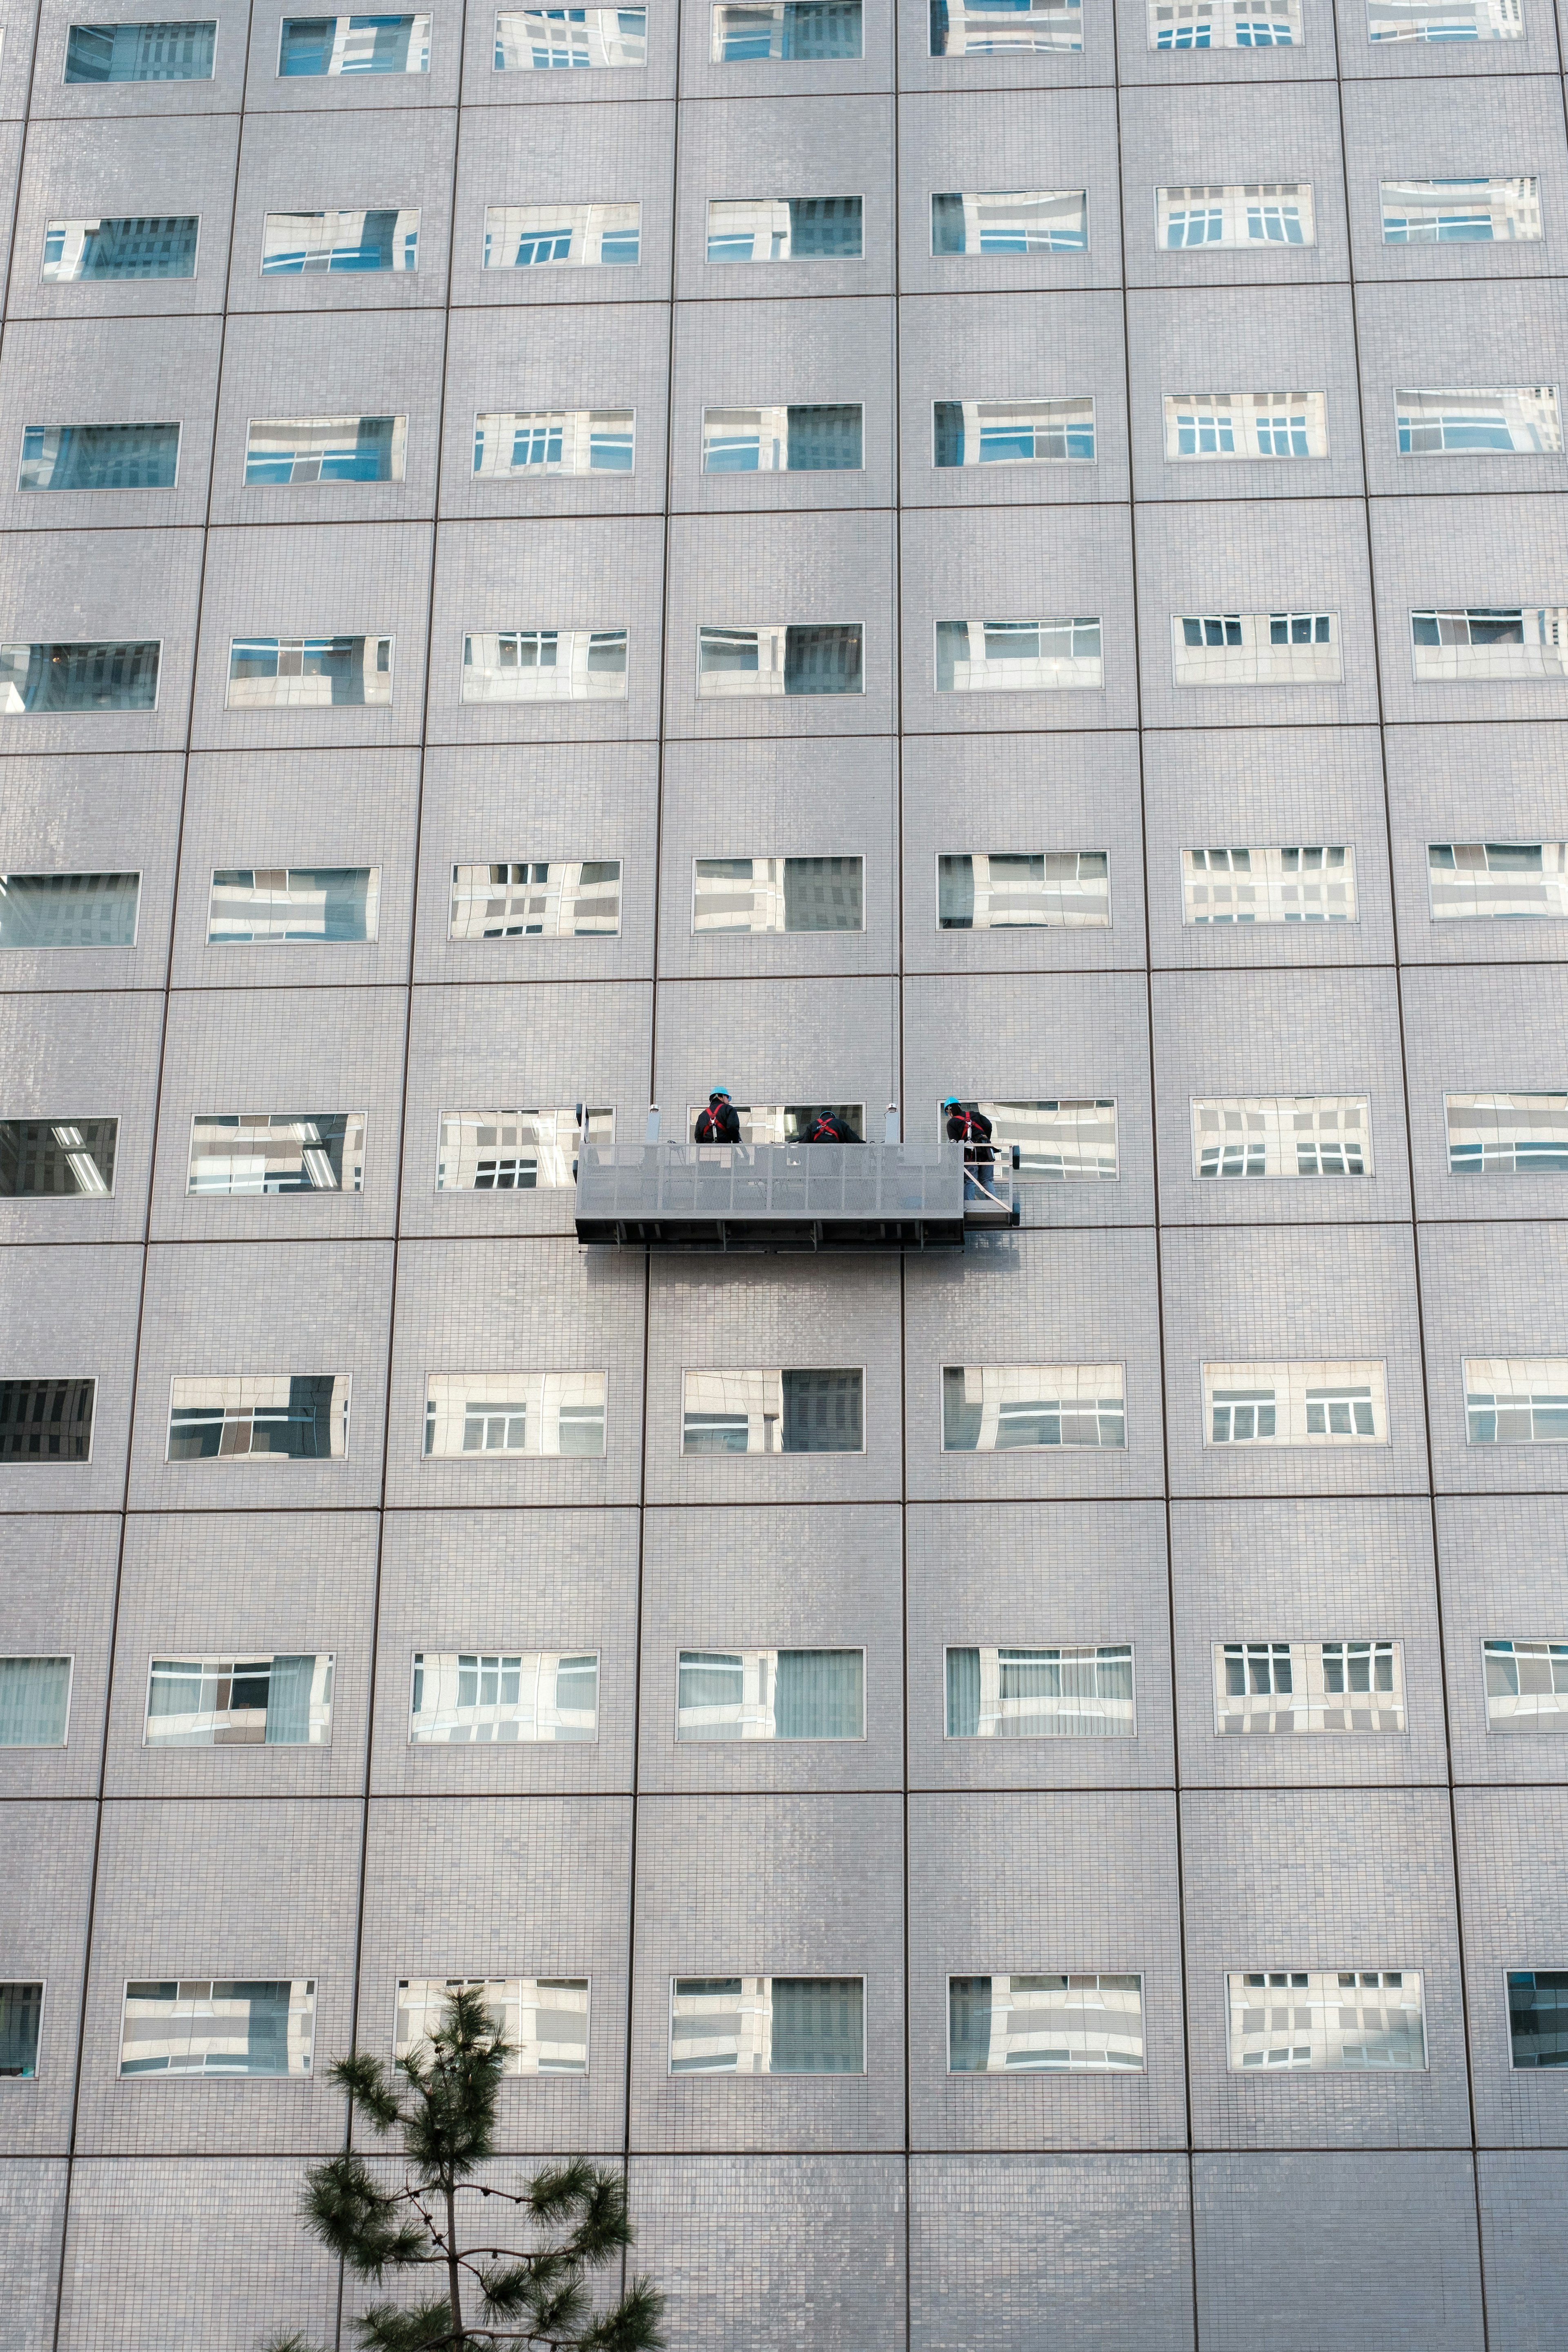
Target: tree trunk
(454, 2284)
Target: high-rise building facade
(946, 1882)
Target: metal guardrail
(784, 1196)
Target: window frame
(28, 1748)
(861, 1452)
(1030, 2074)
(777, 1650)
(102, 423)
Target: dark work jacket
(827, 1129)
(720, 1123)
(973, 1130)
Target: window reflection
(1012, 890)
(758, 1411)
(545, 665)
(208, 2025)
(1016, 1408)
(1045, 2024)
(308, 673)
(821, 437)
(516, 1150)
(1461, 212)
(520, 1414)
(1248, 214)
(35, 1702)
(767, 2025)
(342, 238)
(1010, 222)
(1326, 2021)
(99, 457)
(291, 450)
(544, 898)
(771, 1694)
(255, 906)
(298, 1417)
(1281, 1135)
(1269, 884)
(1012, 432)
(1080, 1691)
(46, 1421)
(277, 1152)
(1295, 1404)
(536, 443)
(1538, 2017)
(794, 32)
(58, 1158)
(1526, 1685)
(780, 659)
(543, 2019)
(550, 40)
(1502, 880)
(478, 1697)
(78, 681)
(1517, 1400)
(1294, 1688)
(1524, 423)
(1017, 656)
(784, 228)
(1000, 29)
(584, 236)
(778, 894)
(68, 911)
(275, 1700)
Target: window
(537, 899)
(1326, 2021)
(1017, 656)
(1507, 1135)
(585, 236)
(1248, 215)
(308, 673)
(178, 52)
(1281, 1135)
(778, 894)
(1309, 1687)
(516, 1150)
(781, 1122)
(1004, 28)
(784, 228)
(524, 1415)
(35, 1702)
(100, 458)
(1521, 423)
(44, 1421)
(545, 2018)
(1012, 221)
(211, 2026)
(545, 665)
(280, 1701)
(542, 442)
(1505, 881)
(1538, 2016)
(316, 244)
(1000, 890)
(295, 1417)
(798, 32)
(1012, 432)
(277, 1152)
(1256, 648)
(1526, 1685)
(1224, 24)
(1045, 2025)
(255, 906)
(91, 252)
(354, 45)
(1291, 884)
(1025, 1408)
(1461, 212)
(818, 437)
(767, 2025)
(772, 1413)
(771, 1694)
(1517, 1400)
(1080, 1692)
(296, 449)
(1486, 645)
(780, 658)
(68, 911)
(540, 40)
(1246, 425)
(78, 681)
(1445, 20)
(1295, 1404)
(468, 1697)
(21, 2018)
(58, 1158)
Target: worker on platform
(973, 1130)
(721, 1122)
(826, 1127)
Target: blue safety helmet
(720, 1094)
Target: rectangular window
(92, 252)
(1488, 645)
(1255, 649)
(1025, 1408)
(213, 2026)
(1309, 1687)
(1461, 212)
(584, 237)
(1281, 1135)
(1526, 1685)
(542, 442)
(516, 1150)
(1224, 24)
(78, 681)
(1045, 2025)
(771, 1694)
(1327, 2020)
(818, 437)
(1503, 881)
(1517, 1400)
(793, 32)
(784, 228)
(543, 2019)
(757, 1411)
(354, 45)
(46, 1422)
(1288, 884)
(100, 458)
(998, 890)
(784, 1122)
(308, 673)
(173, 52)
(468, 1697)
(545, 665)
(778, 894)
(252, 1417)
(1018, 656)
(1054, 1138)
(58, 1158)
(277, 1152)
(1507, 1135)
(524, 1415)
(1538, 2016)
(537, 899)
(767, 2025)
(313, 244)
(1295, 1404)
(21, 2018)
(68, 911)
(1246, 215)
(1005, 28)
(1203, 424)
(277, 1701)
(1012, 432)
(540, 40)
(1010, 221)
(1445, 20)
(256, 906)
(1080, 1692)
(780, 658)
(1523, 422)
(35, 1702)
(296, 449)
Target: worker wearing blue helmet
(973, 1130)
(721, 1122)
